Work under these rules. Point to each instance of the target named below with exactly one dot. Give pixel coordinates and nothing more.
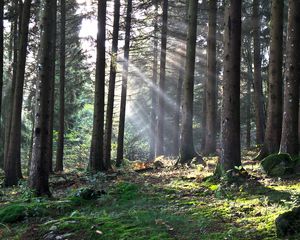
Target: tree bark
(111, 87)
(39, 170)
(52, 86)
(274, 112)
(13, 158)
(230, 128)
(187, 151)
(153, 88)
(258, 92)
(211, 82)
(162, 80)
(96, 161)
(120, 148)
(289, 137)
(62, 53)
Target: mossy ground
(159, 204)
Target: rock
(276, 165)
(88, 193)
(158, 164)
(288, 223)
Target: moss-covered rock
(288, 223)
(88, 193)
(276, 165)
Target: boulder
(288, 223)
(88, 193)
(276, 165)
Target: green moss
(278, 164)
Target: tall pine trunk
(96, 161)
(274, 111)
(120, 148)
(187, 151)
(62, 54)
(258, 91)
(39, 169)
(13, 158)
(162, 80)
(52, 85)
(153, 89)
(211, 83)
(289, 137)
(111, 87)
(230, 128)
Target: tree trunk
(1, 79)
(1, 53)
(178, 104)
(187, 151)
(274, 112)
(258, 92)
(14, 76)
(211, 83)
(52, 86)
(162, 80)
(112, 83)
(289, 137)
(230, 137)
(96, 161)
(120, 149)
(248, 106)
(62, 53)
(154, 87)
(13, 158)
(39, 170)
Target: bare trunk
(52, 86)
(111, 87)
(187, 151)
(96, 161)
(162, 80)
(274, 112)
(120, 150)
(289, 137)
(230, 139)
(39, 170)
(154, 87)
(211, 83)
(62, 53)
(258, 92)
(13, 158)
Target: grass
(162, 204)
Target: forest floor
(157, 204)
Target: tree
(162, 80)
(13, 157)
(230, 128)
(258, 94)
(96, 161)
(52, 85)
(39, 169)
(1, 51)
(154, 95)
(289, 137)
(187, 151)
(211, 82)
(62, 53)
(274, 111)
(111, 87)
(120, 148)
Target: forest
(149, 119)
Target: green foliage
(12, 213)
